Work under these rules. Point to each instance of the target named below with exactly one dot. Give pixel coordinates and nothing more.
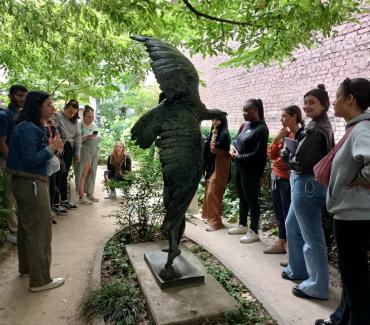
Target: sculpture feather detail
(174, 126)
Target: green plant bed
(249, 310)
(120, 300)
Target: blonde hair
(116, 159)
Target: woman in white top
(86, 171)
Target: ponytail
(257, 103)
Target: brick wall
(346, 55)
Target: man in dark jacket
(17, 96)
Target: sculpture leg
(169, 272)
(181, 231)
(180, 234)
(176, 204)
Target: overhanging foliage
(82, 47)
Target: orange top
(279, 168)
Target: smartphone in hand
(95, 133)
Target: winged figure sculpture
(174, 126)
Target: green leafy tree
(262, 31)
(83, 47)
(66, 47)
(115, 124)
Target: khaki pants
(34, 230)
(212, 206)
(9, 196)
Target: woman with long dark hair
(66, 123)
(250, 155)
(217, 167)
(28, 158)
(348, 199)
(292, 122)
(307, 251)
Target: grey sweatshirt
(70, 132)
(351, 161)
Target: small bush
(119, 302)
(142, 210)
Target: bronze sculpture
(174, 126)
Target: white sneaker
(112, 194)
(11, 238)
(24, 275)
(92, 198)
(238, 230)
(55, 283)
(250, 237)
(84, 200)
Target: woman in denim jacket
(306, 241)
(27, 163)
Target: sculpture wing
(146, 129)
(174, 72)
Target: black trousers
(281, 201)
(54, 194)
(62, 175)
(352, 240)
(248, 187)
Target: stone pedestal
(182, 305)
(189, 274)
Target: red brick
(346, 55)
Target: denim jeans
(306, 241)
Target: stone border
(242, 279)
(94, 282)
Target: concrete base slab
(261, 273)
(188, 273)
(182, 305)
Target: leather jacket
(314, 143)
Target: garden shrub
(119, 302)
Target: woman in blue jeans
(306, 241)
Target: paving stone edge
(270, 309)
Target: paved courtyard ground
(78, 236)
(261, 273)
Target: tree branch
(61, 83)
(220, 20)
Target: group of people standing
(38, 147)
(309, 174)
